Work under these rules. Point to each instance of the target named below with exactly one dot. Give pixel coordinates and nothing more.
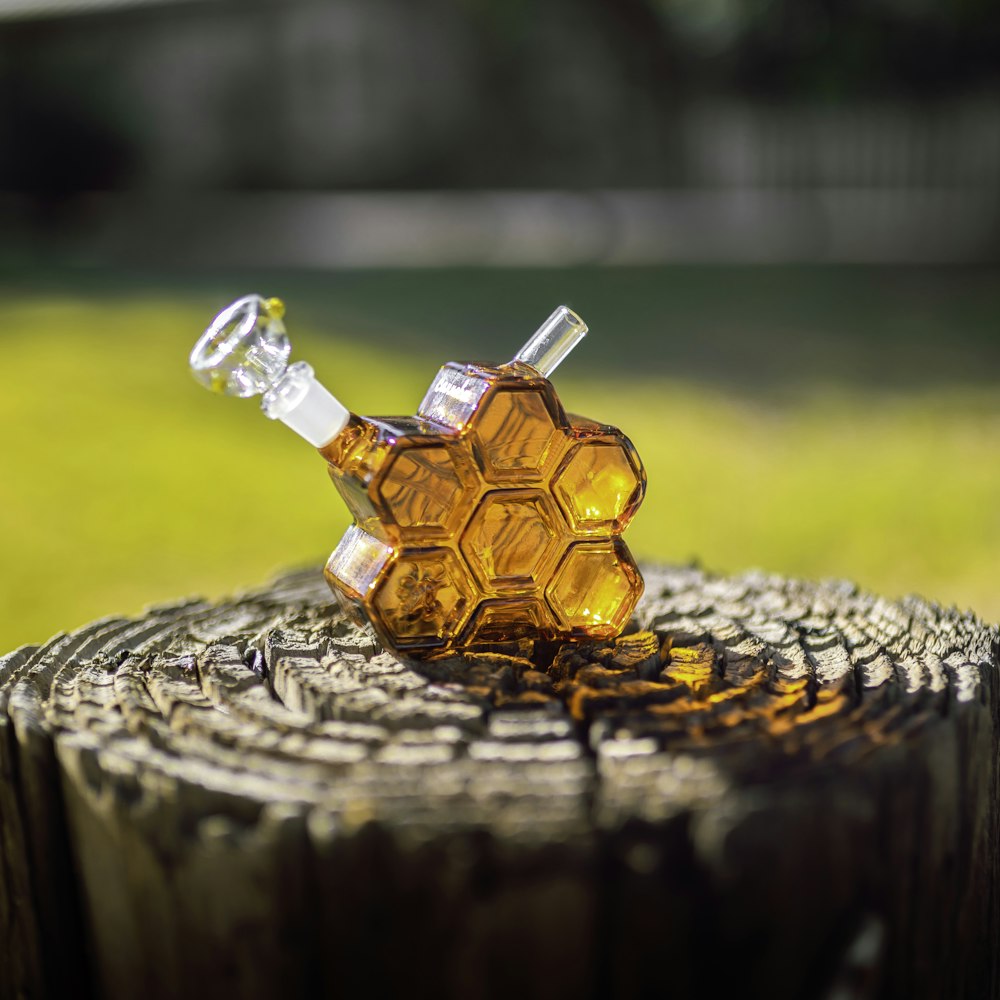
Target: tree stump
(766, 788)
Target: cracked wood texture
(765, 788)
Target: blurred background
(781, 219)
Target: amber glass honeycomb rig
(490, 516)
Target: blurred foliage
(835, 49)
(125, 483)
(469, 93)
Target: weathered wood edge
(944, 746)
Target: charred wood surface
(765, 788)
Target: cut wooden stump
(767, 788)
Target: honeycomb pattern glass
(421, 488)
(502, 619)
(596, 587)
(598, 486)
(503, 528)
(515, 434)
(489, 516)
(510, 537)
(424, 598)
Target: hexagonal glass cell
(510, 537)
(422, 490)
(596, 587)
(515, 435)
(424, 599)
(505, 619)
(598, 486)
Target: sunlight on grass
(124, 483)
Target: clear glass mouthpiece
(552, 341)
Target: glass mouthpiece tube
(552, 341)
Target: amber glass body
(489, 517)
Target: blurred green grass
(124, 483)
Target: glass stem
(552, 341)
